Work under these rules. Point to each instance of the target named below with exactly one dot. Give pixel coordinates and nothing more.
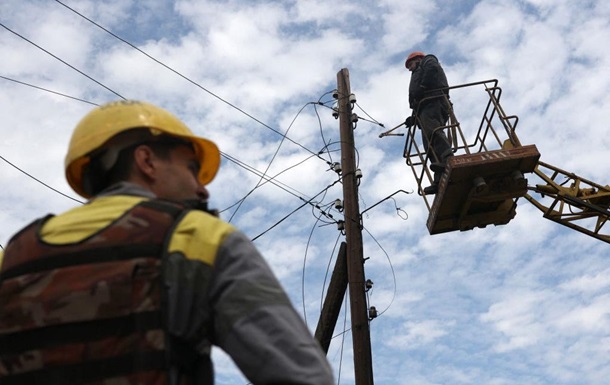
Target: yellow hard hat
(108, 120)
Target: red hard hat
(413, 55)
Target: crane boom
(572, 201)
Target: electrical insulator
(338, 205)
(336, 94)
(340, 225)
(337, 167)
(368, 284)
(354, 118)
(336, 110)
(358, 173)
(352, 98)
(372, 312)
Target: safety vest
(91, 311)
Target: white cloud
(517, 318)
(526, 302)
(589, 283)
(420, 333)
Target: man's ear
(144, 160)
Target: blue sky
(525, 303)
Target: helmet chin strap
(109, 153)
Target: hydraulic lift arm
(572, 201)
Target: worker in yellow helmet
(429, 100)
(135, 286)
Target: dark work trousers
(432, 116)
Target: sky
(523, 303)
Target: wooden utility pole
(363, 363)
(334, 299)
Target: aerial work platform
(482, 182)
(480, 189)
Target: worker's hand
(409, 121)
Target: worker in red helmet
(138, 284)
(429, 100)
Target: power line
(322, 132)
(61, 60)
(272, 159)
(41, 182)
(150, 57)
(295, 210)
(391, 268)
(284, 136)
(240, 202)
(183, 76)
(371, 119)
(270, 162)
(332, 253)
(304, 264)
(228, 157)
(343, 340)
(320, 121)
(249, 168)
(280, 221)
(268, 180)
(47, 90)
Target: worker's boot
(433, 188)
(438, 168)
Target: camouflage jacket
(186, 280)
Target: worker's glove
(410, 121)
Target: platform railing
(494, 130)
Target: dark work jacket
(426, 80)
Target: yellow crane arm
(572, 201)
